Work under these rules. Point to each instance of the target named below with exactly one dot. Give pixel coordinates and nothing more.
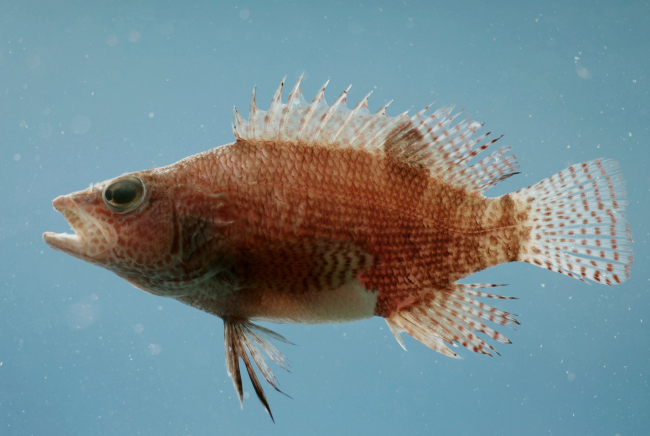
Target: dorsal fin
(428, 141)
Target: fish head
(125, 224)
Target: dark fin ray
(253, 342)
(232, 359)
(242, 336)
(256, 382)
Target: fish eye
(124, 195)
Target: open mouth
(87, 240)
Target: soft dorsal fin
(428, 141)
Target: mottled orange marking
(418, 232)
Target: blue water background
(91, 90)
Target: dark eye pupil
(121, 194)
(124, 195)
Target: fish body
(324, 214)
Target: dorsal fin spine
(377, 117)
(295, 92)
(368, 122)
(311, 110)
(272, 112)
(239, 124)
(353, 113)
(332, 110)
(428, 141)
(252, 114)
(370, 145)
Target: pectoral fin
(199, 221)
(242, 335)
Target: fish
(320, 214)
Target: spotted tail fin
(577, 224)
(451, 315)
(241, 335)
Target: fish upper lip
(62, 201)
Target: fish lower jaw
(76, 246)
(64, 242)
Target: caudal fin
(577, 223)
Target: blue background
(91, 90)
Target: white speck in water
(34, 62)
(84, 22)
(44, 130)
(583, 72)
(80, 124)
(150, 114)
(166, 28)
(155, 349)
(138, 328)
(16, 157)
(135, 36)
(571, 377)
(243, 14)
(355, 28)
(246, 395)
(82, 314)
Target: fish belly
(347, 303)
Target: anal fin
(441, 317)
(241, 336)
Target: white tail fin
(578, 227)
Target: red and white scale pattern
(445, 150)
(577, 225)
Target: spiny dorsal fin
(428, 141)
